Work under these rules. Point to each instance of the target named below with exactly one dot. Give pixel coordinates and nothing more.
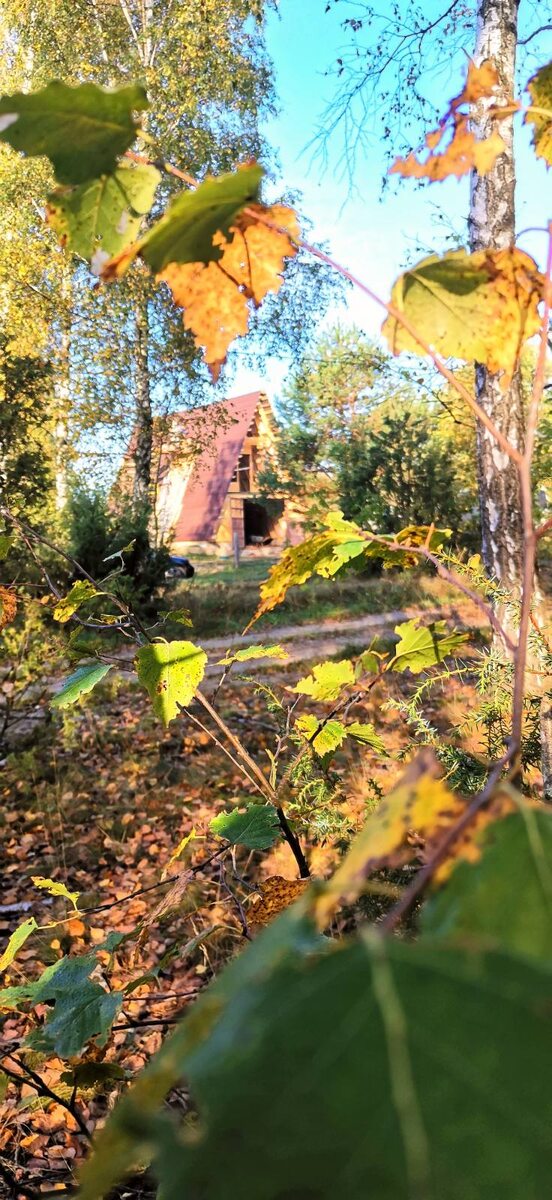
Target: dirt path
(324, 639)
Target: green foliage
(171, 673)
(504, 899)
(255, 826)
(55, 888)
(103, 214)
(26, 432)
(6, 543)
(82, 130)
(366, 735)
(81, 681)
(423, 646)
(81, 1008)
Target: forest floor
(101, 800)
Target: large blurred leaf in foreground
(82, 130)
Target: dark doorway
(258, 523)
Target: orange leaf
(480, 83)
(275, 895)
(8, 606)
(215, 297)
(463, 153)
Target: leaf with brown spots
(275, 895)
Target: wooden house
(208, 463)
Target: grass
(223, 598)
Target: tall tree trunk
(492, 226)
(62, 391)
(144, 419)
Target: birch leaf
(103, 214)
(171, 672)
(81, 591)
(325, 737)
(81, 681)
(327, 680)
(479, 307)
(82, 130)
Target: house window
(242, 474)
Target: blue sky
(373, 235)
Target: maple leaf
(215, 297)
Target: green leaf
(6, 543)
(117, 1145)
(386, 1069)
(182, 615)
(82, 680)
(103, 215)
(82, 1009)
(16, 941)
(171, 672)
(255, 826)
(330, 734)
(249, 652)
(81, 591)
(540, 91)
(479, 307)
(367, 735)
(327, 680)
(422, 646)
(185, 233)
(504, 899)
(82, 129)
(55, 889)
(369, 663)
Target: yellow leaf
(179, 850)
(504, 800)
(421, 802)
(215, 297)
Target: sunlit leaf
(540, 91)
(16, 941)
(171, 672)
(366, 735)
(6, 543)
(81, 681)
(184, 234)
(420, 802)
(103, 215)
(423, 646)
(274, 895)
(255, 826)
(81, 591)
(81, 129)
(55, 888)
(479, 307)
(327, 680)
(324, 736)
(250, 652)
(216, 297)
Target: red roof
(213, 469)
